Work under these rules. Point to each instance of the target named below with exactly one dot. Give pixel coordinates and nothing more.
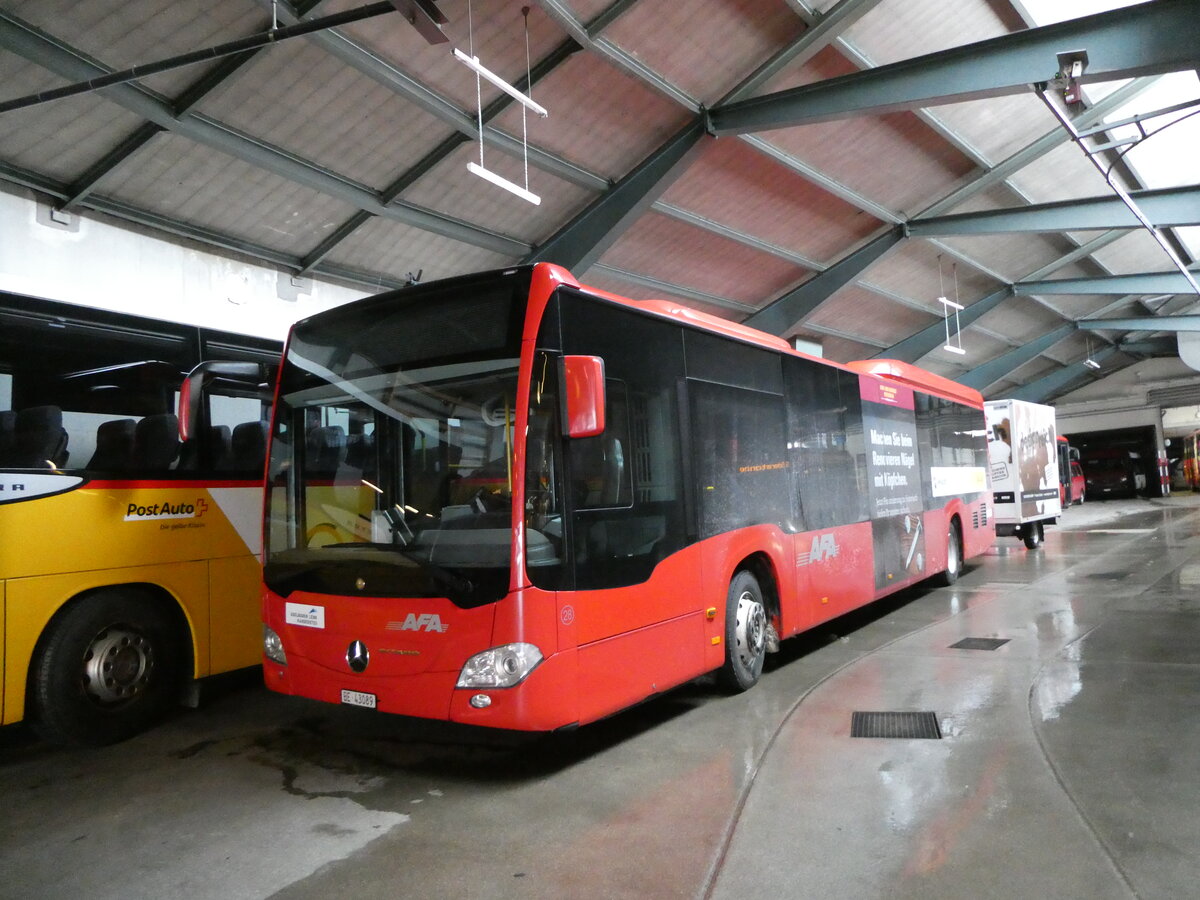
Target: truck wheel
(109, 665)
(1033, 535)
(745, 633)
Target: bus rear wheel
(108, 666)
(746, 632)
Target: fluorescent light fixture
(1091, 363)
(500, 181)
(472, 63)
(948, 305)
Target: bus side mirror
(191, 391)
(583, 380)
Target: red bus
(514, 501)
(1191, 460)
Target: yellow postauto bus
(131, 467)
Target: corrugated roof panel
(1062, 174)
(495, 30)
(673, 251)
(1021, 319)
(1013, 255)
(62, 138)
(599, 117)
(182, 180)
(857, 311)
(451, 189)
(903, 29)
(920, 271)
(727, 39)
(738, 187)
(396, 249)
(998, 126)
(895, 160)
(333, 116)
(1136, 252)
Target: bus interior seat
(156, 442)
(114, 446)
(326, 449)
(249, 447)
(8, 440)
(360, 452)
(613, 493)
(220, 446)
(40, 441)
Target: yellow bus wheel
(109, 664)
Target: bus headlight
(500, 667)
(273, 646)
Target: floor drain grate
(895, 725)
(1108, 576)
(979, 643)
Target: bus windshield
(392, 459)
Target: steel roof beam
(1145, 283)
(928, 339)
(819, 32)
(1149, 38)
(995, 369)
(1144, 323)
(1056, 383)
(1151, 347)
(583, 240)
(1165, 207)
(67, 62)
(781, 314)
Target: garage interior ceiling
(821, 170)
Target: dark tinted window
(825, 444)
(633, 515)
(739, 458)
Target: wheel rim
(952, 559)
(751, 630)
(118, 666)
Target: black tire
(954, 560)
(109, 665)
(1033, 535)
(746, 627)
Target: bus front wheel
(746, 630)
(108, 666)
(1033, 535)
(950, 574)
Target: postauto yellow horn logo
(137, 512)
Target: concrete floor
(1068, 765)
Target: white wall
(91, 262)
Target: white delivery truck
(1023, 464)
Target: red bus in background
(1191, 460)
(514, 501)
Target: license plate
(358, 698)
